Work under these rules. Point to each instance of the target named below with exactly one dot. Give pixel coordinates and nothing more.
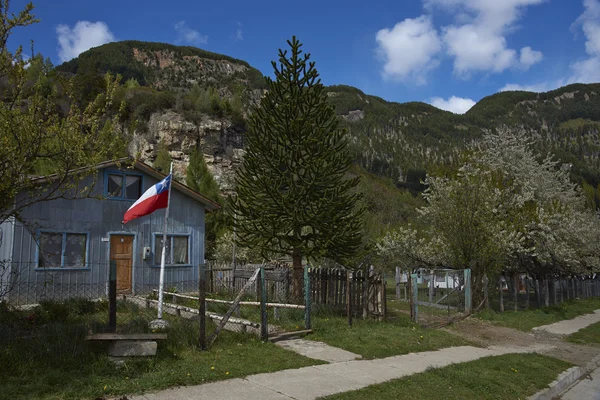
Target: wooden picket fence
(330, 288)
(363, 290)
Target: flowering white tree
(503, 211)
(547, 209)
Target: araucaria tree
(293, 197)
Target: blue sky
(450, 53)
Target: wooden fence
(365, 291)
(330, 288)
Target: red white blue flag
(153, 199)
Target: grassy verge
(369, 338)
(373, 339)
(528, 319)
(589, 335)
(43, 354)
(510, 376)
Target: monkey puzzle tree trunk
(297, 276)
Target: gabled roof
(208, 203)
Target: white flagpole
(162, 260)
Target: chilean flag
(154, 198)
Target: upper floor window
(62, 250)
(122, 185)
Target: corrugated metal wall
(6, 248)
(100, 218)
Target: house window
(62, 250)
(123, 186)
(177, 250)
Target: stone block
(130, 348)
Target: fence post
(264, 327)
(112, 296)
(384, 296)
(202, 306)
(349, 297)
(501, 292)
(468, 297)
(365, 294)
(414, 286)
(306, 298)
(397, 283)
(516, 292)
(526, 284)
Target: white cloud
(83, 36)
(588, 70)
(239, 35)
(409, 49)
(530, 57)
(457, 105)
(477, 40)
(185, 34)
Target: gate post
(112, 296)
(468, 299)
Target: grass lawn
(528, 319)
(43, 354)
(511, 376)
(589, 335)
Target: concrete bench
(129, 345)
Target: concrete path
(323, 380)
(570, 326)
(588, 388)
(318, 350)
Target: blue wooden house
(61, 248)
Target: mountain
(190, 97)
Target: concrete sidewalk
(318, 350)
(323, 380)
(570, 326)
(587, 388)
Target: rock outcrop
(220, 142)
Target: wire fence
(332, 290)
(518, 292)
(30, 285)
(437, 296)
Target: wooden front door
(121, 250)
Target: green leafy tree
(163, 158)
(45, 131)
(201, 180)
(292, 197)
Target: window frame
(62, 255)
(124, 174)
(170, 237)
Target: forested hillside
(398, 141)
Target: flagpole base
(159, 324)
